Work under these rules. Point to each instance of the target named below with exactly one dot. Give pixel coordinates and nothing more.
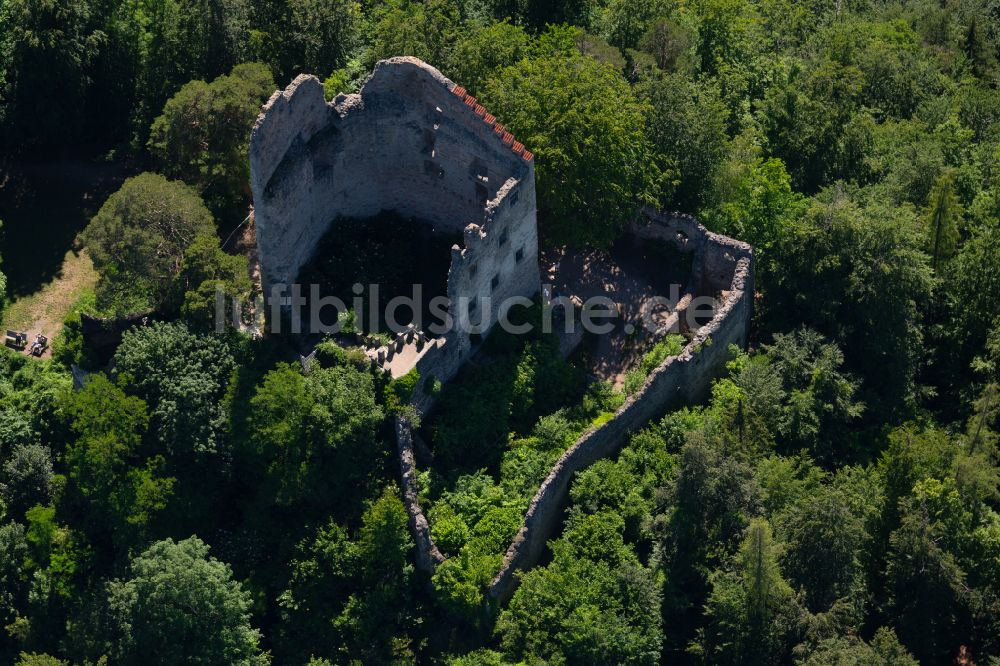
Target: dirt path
(44, 311)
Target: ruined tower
(410, 141)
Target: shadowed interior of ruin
(630, 273)
(389, 250)
(413, 142)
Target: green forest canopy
(836, 501)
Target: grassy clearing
(44, 311)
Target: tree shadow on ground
(45, 201)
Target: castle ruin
(413, 142)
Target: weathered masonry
(722, 268)
(416, 143)
(413, 142)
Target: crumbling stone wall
(720, 266)
(410, 141)
(715, 256)
(416, 143)
(428, 556)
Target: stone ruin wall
(721, 267)
(428, 556)
(410, 141)
(414, 142)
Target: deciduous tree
(427, 30)
(594, 604)
(352, 596)
(207, 272)
(138, 239)
(178, 605)
(181, 41)
(687, 126)
(182, 376)
(26, 479)
(46, 47)
(593, 161)
(481, 53)
(316, 36)
(119, 490)
(851, 267)
(310, 429)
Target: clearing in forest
(44, 310)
